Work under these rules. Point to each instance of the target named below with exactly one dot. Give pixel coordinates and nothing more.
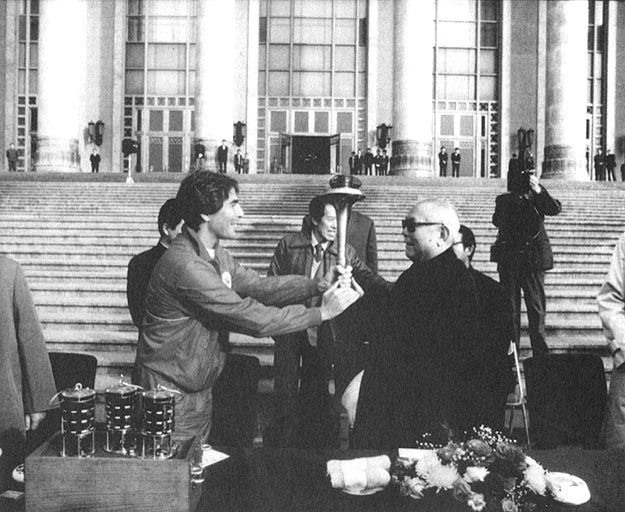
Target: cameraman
(524, 249)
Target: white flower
(477, 502)
(443, 477)
(530, 462)
(415, 487)
(475, 474)
(428, 461)
(535, 478)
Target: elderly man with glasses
(423, 374)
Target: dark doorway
(311, 155)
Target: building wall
(523, 73)
(523, 46)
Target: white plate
(412, 453)
(365, 492)
(568, 488)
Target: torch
(344, 192)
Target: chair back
(566, 396)
(68, 368)
(235, 403)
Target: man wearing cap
(423, 371)
(306, 415)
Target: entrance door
(335, 153)
(285, 152)
(311, 155)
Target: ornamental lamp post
(383, 134)
(239, 133)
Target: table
(263, 480)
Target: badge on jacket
(226, 278)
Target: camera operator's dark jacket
(520, 219)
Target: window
(301, 122)
(278, 121)
(344, 122)
(322, 122)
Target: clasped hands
(340, 290)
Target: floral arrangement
(488, 472)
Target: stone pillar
(62, 76)
(412, 88)
(215, 75)
(251, 115)
(565, 102)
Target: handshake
(340, 290)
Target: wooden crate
(108, 482)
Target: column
(565, 101)
(251, 141)
(412, 88)
(62, 76)
(215, 75)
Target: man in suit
(384, 167)
(526, 252)
(358, 162)
(368, 162)
(377, 162)
(443, 158)
(352, 163)
(610, 164)
(423, 373)
(455, 163)
(140, 266)
(238, 161)
(222, 157)
(12, 157)
(306, 414)
(94, 158)
(495, 318)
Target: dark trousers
(514, 275)
(610, 174)
(455, 170)
(95, 168)
(443, 170)
(305, 415)
(222, 166)
(12, 165)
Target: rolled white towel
(360, 475)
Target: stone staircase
(75, 236)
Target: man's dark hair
(170, 214)
(203, 193)
(317, 208)
(468, 239)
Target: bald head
(431, 229)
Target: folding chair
(517, 399)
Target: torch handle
(342, 215)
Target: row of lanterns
(138, 422)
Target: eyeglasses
(411, 225)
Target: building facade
(309, 81)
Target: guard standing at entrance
(222, 157)
(455, 163)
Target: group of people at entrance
(369, 164)
(604, 166)
(443, 160)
